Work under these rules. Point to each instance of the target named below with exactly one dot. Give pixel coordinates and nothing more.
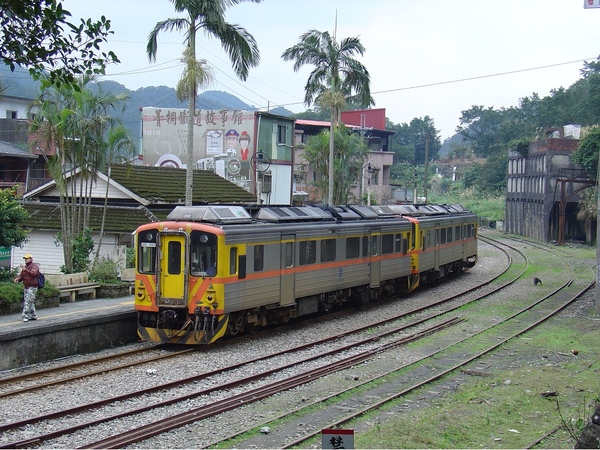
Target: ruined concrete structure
(544, 187)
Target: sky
(432, 58)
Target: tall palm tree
(73, 122)
(336, 78)
(118, 146)
(209, 16)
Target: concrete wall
(25, 346)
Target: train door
(172, 270)
(287, 278)
(436, 246)
(374, 257)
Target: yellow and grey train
(217, 270)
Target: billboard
(591, 4)
(223, 141)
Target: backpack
(41, 280)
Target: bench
(128, 275)
(72, 284)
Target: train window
(352, 247)
(365, 246)
(233, 260)
(405, 245)
(259, 257)
(289, 254)
(203, 252)
(449, 234)
(425, 240)
(327, 250)
(147, 251)
(374, 245)
(387, 243)
(174, 262)
(443, 236)
(398, 243)
(308, 253)
(457, 233)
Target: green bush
(12, 293)
(104, 271)
(8, 275)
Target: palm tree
(336, 78)
(118, 146)
(209, 16)
(351, 153)
(73, 122)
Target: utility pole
(425, 177)
(598, 239)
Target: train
(211, 271)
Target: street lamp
(260, 162)
(368, 172)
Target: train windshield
(146, 257)
(203, 253)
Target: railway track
(377, 345)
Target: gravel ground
(119, 382)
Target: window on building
(11, 114)
(281, 134)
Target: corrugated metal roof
(8, 149)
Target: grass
(487, 206)
(507, 408)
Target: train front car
(180, 270)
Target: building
(251, 149)
(544, 187)
(370, 124)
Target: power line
(460, 80)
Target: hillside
(20, 84)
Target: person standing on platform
(29, 276)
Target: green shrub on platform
(12, 293)
(104, 271)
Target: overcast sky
(425, 57)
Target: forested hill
(20, 84)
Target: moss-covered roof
(119, 219)
(167, 185)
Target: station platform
(76, 327)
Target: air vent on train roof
(405, 210)
(432, 210)
(372, 211)
(221, 214)
(292, 214)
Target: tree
(118, 146)
(588, 151)
(351, 153)
(336, 78)
(33, 36)
(74, 123)
(13, 218)
(209, 16)
(418, 137)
